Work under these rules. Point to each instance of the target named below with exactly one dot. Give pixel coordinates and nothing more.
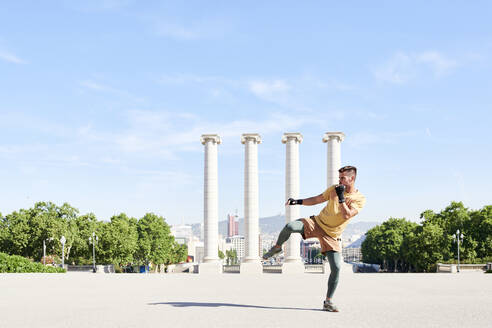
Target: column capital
(250, 136)
(210, 137)
(329, 135)
(296, 136)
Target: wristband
(293, 201)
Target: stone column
(293, 262)
(333, 163)
(333, 139)
(211, 263)
(251, 263)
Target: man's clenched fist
(339, 190)
(292, 201)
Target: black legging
(334, 258)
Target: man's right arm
(314, 200)
(308, 201)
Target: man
(344, 202)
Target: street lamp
(62, 241)
(457, 238)
(44, 249)
(93, 240)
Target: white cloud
(276, 91)
(174, 28)
(166, 134)
(403, 67)
(95, 86)
(362, 139)
(398, 70)
(91, 85)
(185, 79)
(177, 32)
(328, 84)
(297, 94)
(437, 62)
(98, 5)
(11, 58)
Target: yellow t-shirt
(330, 219)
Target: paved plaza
(235, 300)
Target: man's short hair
(348, 168)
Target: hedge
(19, 264)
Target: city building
(237, 244)
(309, 249)
(232, 225)
(352, 254)
(182, 231)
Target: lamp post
(457, 238)
(44, 249)
(93, 240)
(62, 241)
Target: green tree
(179, 253)
(454, 217)
(428, 243)
(481, 231)
(231, 256)
(394, 231)
(83, 227)
(3, 230)
(26, 230)
(118, 240)
(154, 240)
(17, 233)
(49, 222)
(370, 246)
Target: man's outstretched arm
(308, 201)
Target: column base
(293, 267)
(210, 268)
(251, 268)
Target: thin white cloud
(166, 135)
(98, 5)
(276, 90)
(186, 79)
(437, 62)
(293, 93)
(362, 139)
(173, 28)
(398, 70)
(403, 67)
(175, 31)
(96, 86)
(327, 84)
(169, 177)
(11, 58)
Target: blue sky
(102, 103)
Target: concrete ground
(234, 300)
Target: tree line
(400, 245)
(122, 240)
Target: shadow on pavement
(202, 304)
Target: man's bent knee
(291, 226)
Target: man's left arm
(348, 211)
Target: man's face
(345, 178)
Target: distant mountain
(273, 225)
(359, 227)
(357, 243)
(268, 225)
